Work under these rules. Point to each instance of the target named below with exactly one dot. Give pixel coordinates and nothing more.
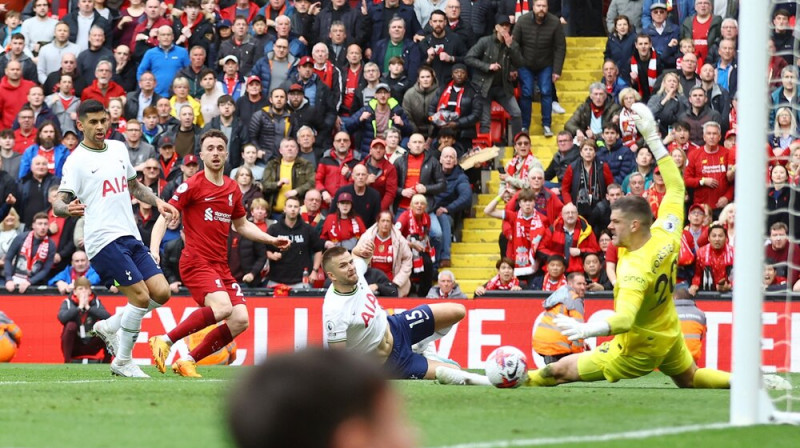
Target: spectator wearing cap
(677, 11)
(440, 49)
(137, 101)
(233, 83)
(490, 60)
(665, 34)
(517, 169)
(343, 226)
(223, 31)
(168, 160)
(707, 171)
(697, 227)
(286, 175)
(335, 168)
(449, 205)
(239, 45)
(270, 124)
(318, 95)
(189, 168)
(138, 149)
(458, 107)
(253, 100)
(375, 117)
(302, 112)
(397, 43)
(366, 200)
(229, 123)
(164, 61)
(655, 193)
(381, 174)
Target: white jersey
(356, 317)
(99, 179)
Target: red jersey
(207, 211)
(700, 38)
(703, 163)
(528, 235)
(383, 256)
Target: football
(506, 367)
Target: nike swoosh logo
(95, 170)
(209, 199)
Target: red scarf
(445, 98)
(519, 167)
(39, 257)
(339, 233)
(419, 230)
(495, 284)
(627, 127)
(597, 111)
(550, 285)
(521, 8)
(325, 74)
(527, 235)
(652, 74)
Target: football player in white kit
(98, 181)
(353, 319)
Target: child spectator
(528, 234)
(554, 277)
(714, 263)
(567, 301)
(503, 281)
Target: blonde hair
(793, 120)
(629, 91)
(664, 85)
(13, 213)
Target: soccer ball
(506, 367)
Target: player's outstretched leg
(565, 370)
(160, 345)
(446, 373)
(445, 315)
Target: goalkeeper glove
(646, 124)
(575, 330)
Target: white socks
(130, 324)
(114, 322)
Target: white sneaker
(445, 375)
(128, 369)
(109, 337)
(557, 109)
(771, 382)
(547, 131)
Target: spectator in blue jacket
(80, 267)
(164, 61)
(610, 150)
(48, 140)
(451, 203)
(621, 45)
(664, 35)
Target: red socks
(214, 340)
(195, 322)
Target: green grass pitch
(83, 406)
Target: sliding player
(100, 176)
(353, 319)
(210, 202)
(645, 325)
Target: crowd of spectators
(347, 121)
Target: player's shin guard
(214, 340)
(130, 325)
(196, 321)
(711, 379)
(540, 378)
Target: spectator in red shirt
(554, 278)
(382, 174)
(13, 93)
(778, 247)
(103, 88)
(696, 227)
(335, 168)
(546, 201)
(707, 171)
(586, 181)
(571, 237)
(714, 263)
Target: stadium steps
(474, 256)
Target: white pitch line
(592, 438)
(15, 383)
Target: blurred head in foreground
(318, 399)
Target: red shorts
(205, 278)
